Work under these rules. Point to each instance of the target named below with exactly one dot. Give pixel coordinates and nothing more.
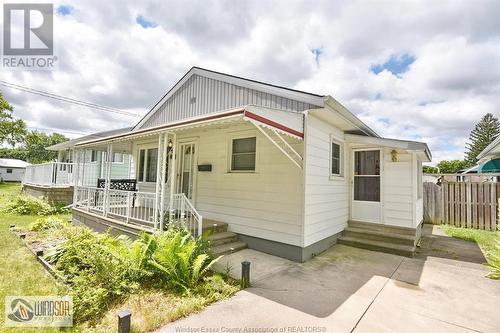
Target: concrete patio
(442, 289)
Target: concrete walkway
(353, 290)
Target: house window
(9, 170)
(148, 159)
(336, 158)
(142, 160)
(117, 157)
(243, 154)
(93, 156)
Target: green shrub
(27, 205)
(97, 274)
(101, 269)
(179, 259)
(48, 223)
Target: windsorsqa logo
(38, 311)
(28, 36)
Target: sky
(417, 70)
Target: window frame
(145, 148)
(340, 143)
(118, 162)
(245, 135)
(96, 156)
(9, 170)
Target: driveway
(442, 289)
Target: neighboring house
(54, 180)
(12, 170)
(489, 158)
(275, 169)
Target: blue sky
(395, 64)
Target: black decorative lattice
(119, 184)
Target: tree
(429, 169)
(35, 144)
(452, 166)
(482, 135)
(12, 130)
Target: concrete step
(382, 227)
(381, 236)
(213, 226)
(228, 248)
(222, 238)
(399, 249)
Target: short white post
(128, 207)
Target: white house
(12, 170)
(275, 169)
(54, 181)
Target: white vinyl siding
(326, 205)
(398, 189)
(265, 204)
(201, 95)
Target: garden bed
(105, 274)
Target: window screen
(336, 151)
(243, 154)
(152, 158)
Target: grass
(487, 241)
(21, 274)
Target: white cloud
(107, 58)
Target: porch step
(380, 236)
(213, 226)
(382, 228)
(222, 238)
(399, 249)
(228, 248)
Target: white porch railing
(139, 208)
(182, 212)
(51, 174)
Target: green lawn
(20, 272)
(488, 241)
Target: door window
(367, 175)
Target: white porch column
(164, 181)
(173, 177)
(159, 180)
(76, 174)
(107, 179)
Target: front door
(366, 206)
(186, 169)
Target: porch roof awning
(491, 166)
(419, 147)
(285, 122)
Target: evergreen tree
(482, 135)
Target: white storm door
(366, 205)
(186, 172)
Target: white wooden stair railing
(183, 213)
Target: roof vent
(192, 100)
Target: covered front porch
(177, 174)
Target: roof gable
(202, 91)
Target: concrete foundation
(54, 195)
(291, 252)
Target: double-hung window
(243, 152)
(148, 159)
(336, 158)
